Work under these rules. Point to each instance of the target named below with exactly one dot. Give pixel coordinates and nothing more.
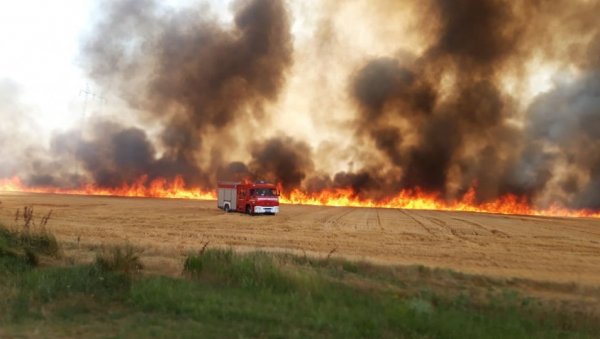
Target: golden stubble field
(561, 250)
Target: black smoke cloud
(471, 47)
(193, 73)
(440, 120)
(282, 159)
(461, 134)
(186, 72)
(564, 129)
(198, 77)
(115, 155)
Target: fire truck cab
(252, 198)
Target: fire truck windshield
(264, 192)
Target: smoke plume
(443, 96)
(444, 120)
(187, 72)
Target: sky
(39, 51)
(40, 56)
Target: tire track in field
(321, 216)
(418, 222)
(334, 219)
(374, 220)
(495, 232)
(564, 223)
(454, 232)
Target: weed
(253, 270)
(33, 237)
(331, 253)
(21, 248)
(123, 259)
(349, 266)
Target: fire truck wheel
(249, 209)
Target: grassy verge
(222, 293)
(22, 248)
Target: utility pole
(87, 94)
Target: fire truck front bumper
(266, 209)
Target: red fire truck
(251, 198)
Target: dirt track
(540, 248)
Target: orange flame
(157, 188)
(417, 199)
(406, 199)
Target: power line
(88, 94)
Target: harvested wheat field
(540, 248)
